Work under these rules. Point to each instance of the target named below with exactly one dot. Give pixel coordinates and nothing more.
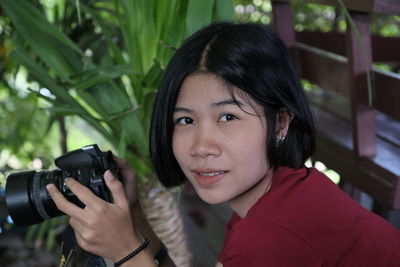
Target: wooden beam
(387, 129)
(327, 70)
(387, 93)
(378, 6)
(360, 62)
(379, 176)
(283, 22)
(333, 42)
(383, 48)
(396, 194)
(387, 7)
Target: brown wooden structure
(358, 108)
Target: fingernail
(49, 187)
(108, 175)
(65, 182)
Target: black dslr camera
(27, 198)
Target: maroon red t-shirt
(306, 220)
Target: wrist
(124, 247)
(132, 254)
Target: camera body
(29, 202)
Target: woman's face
(220, 146)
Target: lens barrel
(27, 198)
(19, 200)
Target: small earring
(280, 141)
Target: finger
(120, 161)
(128, 179)
(116, 189)
(126, 170)
(63, 204)
(82, 192)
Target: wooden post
(360, 61)
(283, 23)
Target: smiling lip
(209, 177)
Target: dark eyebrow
(213, 105)
(181, 109)
(227, 102)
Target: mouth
(208, 178)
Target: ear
(283, 119)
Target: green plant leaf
(36, 70)
(223, 10)
(62, 111)
(153, 76)
(93, 77)
(54, 48)
(199, 15)
(122, 144)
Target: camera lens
(27, 198)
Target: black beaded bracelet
(161, 254)
(133, 253)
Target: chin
(211, 198)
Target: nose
(205, 144)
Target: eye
(184, 120)
(228, 117)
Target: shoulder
(265, 233)
(253, 241)
(305, 194)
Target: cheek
(251, 144)
(175, 147)
(178, 148)
(252, 152)
(260, 151)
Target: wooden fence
(357, 109)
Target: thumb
(116, 189)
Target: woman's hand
(128, 178)
(101, 228)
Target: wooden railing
(357, 110)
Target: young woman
(231, 118)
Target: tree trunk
(161, 209)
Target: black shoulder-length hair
(252, 58)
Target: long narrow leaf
(20, 55)
(54, 48)
(37, 72)
(109, 31)
(153, 76)
(101, 75)
(199, 14)
(23, 12)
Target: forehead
(200, 87)
(203, 84)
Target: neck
(244, 202)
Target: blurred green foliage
(99, 61)
(81, 72)
(314, 17)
